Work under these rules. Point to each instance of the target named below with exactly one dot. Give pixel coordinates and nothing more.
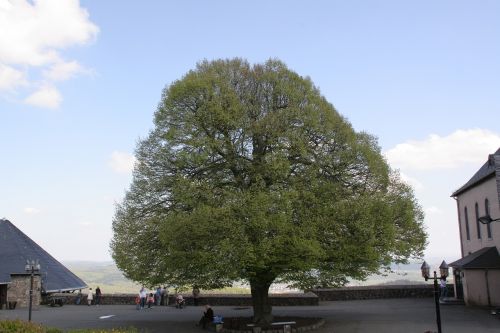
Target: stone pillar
(19, 290)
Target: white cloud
(122, 162)
(85, 223)
(63, 71)
(46, 97)
(31, 210)
(417, 185)
(447, 152)
(11, 78)
(433, 210)
(33, 34)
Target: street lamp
(31, 267)
(487, 219)
(443, 270)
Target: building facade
(16, 250)
(477, 273)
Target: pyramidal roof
(16, 248)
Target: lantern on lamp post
(443, 270)
(31, 267)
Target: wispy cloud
(46, 96)
(33, 33)
(413, 182)
(122, 162)
(63, 71)
(31, 210)
(85, 224)
(11, 79)
(445, 152)
(433, 210)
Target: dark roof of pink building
(484, 173)
(486, 258)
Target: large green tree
(250, 174)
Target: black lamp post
(443, 270)
(487, 219)
(31, 267)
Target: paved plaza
(388, 315)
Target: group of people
(90, 296)
(158, 297)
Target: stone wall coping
(188, 295)
(403, 286)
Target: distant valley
(111, 280)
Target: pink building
(477, 274)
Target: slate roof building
(477, 273)
(15, 249)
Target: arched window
(467, 231)
(487, 212)
(478, 224)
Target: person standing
(443, 287)
(79, 297)
(165, 296)
(196, 295)
(98, 296)
(158, 296)
(90, 297)
(143, 294)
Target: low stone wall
(291, 299)
(376, 292)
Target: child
(138, 302)
(151, 300)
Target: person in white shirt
(90, 297)
(143, 294)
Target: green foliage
(19, 326)
(250, 174)
(112, 330)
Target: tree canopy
(250, 174)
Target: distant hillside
(111, 280)
(103, 274)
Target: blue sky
(79, 82)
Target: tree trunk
(262, 309)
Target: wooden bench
(287, 325)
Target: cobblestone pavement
(388, 315)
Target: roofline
(67, 289)
(465, 188)
(473, 268)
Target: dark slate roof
(486, 171)
(487, 257)
(16, 248)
